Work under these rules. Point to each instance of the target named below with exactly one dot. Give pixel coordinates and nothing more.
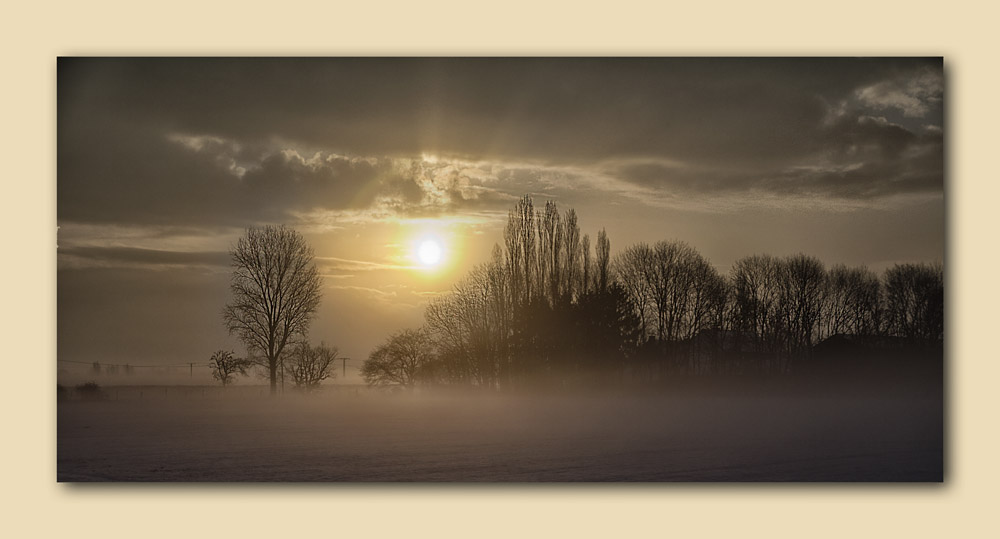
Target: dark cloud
(114, 172)
(735, 123)
(330, 182)
(128, 175)
(570, 108)
(860, 157)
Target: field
(724, 432)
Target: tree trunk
(273, 366)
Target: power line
(189, 364)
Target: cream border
(34, 505)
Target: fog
(178, 374)
(776, 429)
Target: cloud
(116, 173)
(556, 109)
(400, 298)
(913, 93)
(232, 142)
(330, 263)
(285, 179)
(134, 176)
(861, 157)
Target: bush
(90, 391)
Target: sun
(429, 252)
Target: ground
(772, 433)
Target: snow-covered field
(721, 434)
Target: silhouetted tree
(276, 290)
(755, 295)
(502, 310)
(571, 257)
(673, 289)
(915, 300)
(853, 301)
(225, 366)
(780, 304)
(709, 297)
(472, 325)
(521, 243)
(511, 318)
(802, 286)
(550, 246)
(607, 330)
(403, 359)
(634, 270)
(90, 391)
(603, 252)
(309, 365)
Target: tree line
(545, 309)
(548, 309)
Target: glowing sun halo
(429, 252)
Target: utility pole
(344, 360)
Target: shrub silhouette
(90, 391)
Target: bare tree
(500, 311)
(402, 359)
(836, 308)
(471, 326)
(673, 289)
(671, 283)
(310, 365)
(603, 251)
(802, 286)
(867, 308)
(520, 239)
(225, 366)
(276, 290)
(853, 301)
(571, 262)
(754, 284)
(633, 270)
(550, 247)
(915, 300)
(710, 294)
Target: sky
(163, 163)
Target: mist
(888, 428)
